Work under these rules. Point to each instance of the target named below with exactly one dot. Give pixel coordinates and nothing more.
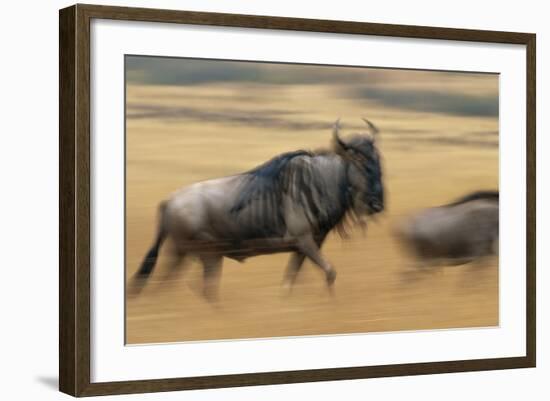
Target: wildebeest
(288, 204)
(460, 232)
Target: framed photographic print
(251, 200)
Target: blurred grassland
(434, 149)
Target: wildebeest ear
(340, 146)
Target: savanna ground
(180, 134)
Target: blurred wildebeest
(460, 232)
(288, 204)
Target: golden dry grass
(167, 152)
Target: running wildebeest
(457, 233)
(288, 204)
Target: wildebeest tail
(150, 259)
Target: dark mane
(490, 195)
(274, 166)
(299, 176)
(264, 178)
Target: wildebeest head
(365, 173)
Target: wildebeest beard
(316, 184)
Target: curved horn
(372, 128)
(336, 137)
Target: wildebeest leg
(176, 260)
(294, 265)
(212, 265)
(308, 247)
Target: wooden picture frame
(74, 203)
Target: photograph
(258, 199)
(269, 199)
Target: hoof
(331, 277)
(287, 286)
(285, 290)
(211, 296)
